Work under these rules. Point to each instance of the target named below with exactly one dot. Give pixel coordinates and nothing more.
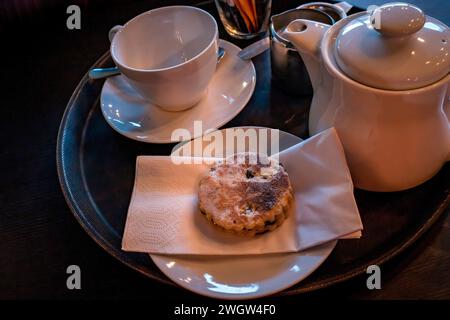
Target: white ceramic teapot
(382, 79)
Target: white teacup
(168, 54)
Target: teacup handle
(113, 32)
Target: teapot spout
(306, 36)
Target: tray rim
(65, 189)
(320, 284)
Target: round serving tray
(96, 170)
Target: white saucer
(243, 277)
(228, 93)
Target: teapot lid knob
(397, 19)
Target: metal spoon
(100, 73)
(254, 49)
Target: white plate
(228, 93)
(244, 277)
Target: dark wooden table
(39, 238)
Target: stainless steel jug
(288, 70)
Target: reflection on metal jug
(337, 11)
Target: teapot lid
(394, 47)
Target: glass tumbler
(244, 19)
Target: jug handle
(344, 6)
(447, 113)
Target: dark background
(39, 238)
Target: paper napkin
(164, 218)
